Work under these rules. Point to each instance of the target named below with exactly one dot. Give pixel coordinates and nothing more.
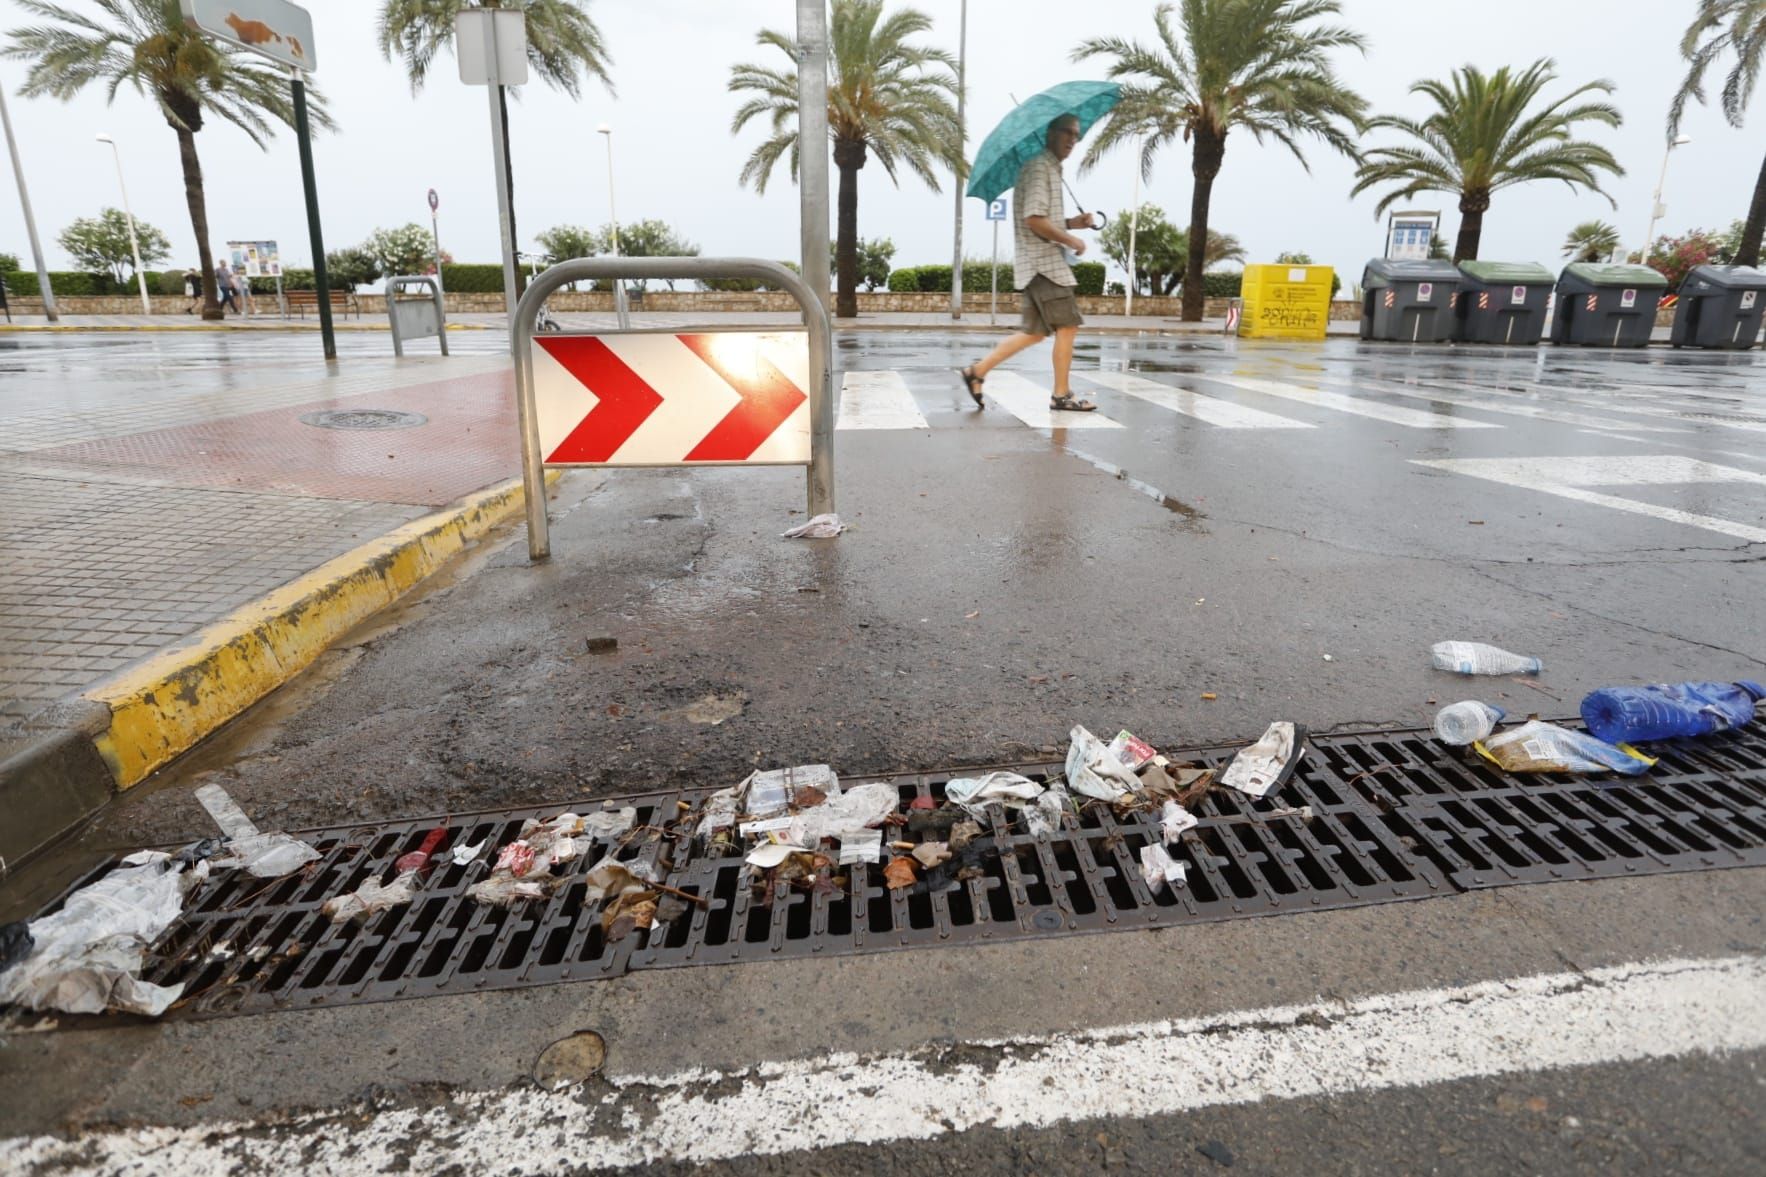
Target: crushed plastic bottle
(1466, 723)
(1664, 711)
(1477, 658)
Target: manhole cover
(364, 419)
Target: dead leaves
(900, 874)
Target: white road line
(1623, 1014)
(1485, 404)
(1692, 416)
(1356, 406)
(1202, 407)
(1029, 402)
(877, 400)
(1569, 477)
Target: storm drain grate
(1369, 818)
(360, 419)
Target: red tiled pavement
(470, 441)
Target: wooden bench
(303, 300)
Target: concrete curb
(64, 764)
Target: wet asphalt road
(1004, 581)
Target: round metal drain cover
(1048, 921)
(364, 419)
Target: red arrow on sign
(623, 402)
(768, 398)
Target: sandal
(1067, 404)
(973, 383)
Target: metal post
(435, 235)
(956, 262)
(24, 200)
(129, 215)
(303, 135)
(993, 272)
(502, 189)
(619, 304)
(815, 316)
(812, 143)
(1134, 223)
(1656, 209)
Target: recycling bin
(1408, 301)
(1285, 302)
(1606, 306)
(1503, 302)
(1720, 306)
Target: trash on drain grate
(371, 898)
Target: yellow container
(1286, 302)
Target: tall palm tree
(563, 44)
(1489, 132)
(1724, 26)
(886, 97)
(1255, 65)
(1591, 241)
(146, 46)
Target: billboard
(275, 28)
(256, 259)
(1409, 235)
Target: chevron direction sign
(717, 398)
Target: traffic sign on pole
(281, 31)
(719, 398)
(996, 209)
(434, 201)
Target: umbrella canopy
(1024, 132)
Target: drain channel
(1369, 818)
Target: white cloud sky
(677, 160)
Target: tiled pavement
(146, 492)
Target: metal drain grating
(1369, 818)
(360, 419)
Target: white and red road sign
(719, 398)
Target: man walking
(1040, 269)
(224, 287)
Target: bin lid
(1633, 277)
(1724, 278)
(1508, 273)
(1383, 271)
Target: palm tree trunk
(1209, 150)
(211, 304)
(849, 158)
(509, 179)
(1471, 226)
(1748, 253)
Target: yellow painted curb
(167, 704)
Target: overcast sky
(677, 160)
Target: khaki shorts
(1048, 306)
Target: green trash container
(1408, 301)
(1503, 302)
(1720, 306)
(1606, 306)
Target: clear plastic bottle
(1466, 723)
(1477, 658)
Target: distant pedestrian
(224, 287)
(1041, 270)
(193, 289)
(242, 292)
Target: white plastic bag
(974, 794)
(1094, 771)
(850, 813)
(371, 899)
(268, 856)
(1044, 816)
(1160, 870)
(820, 527)
(1174, 819)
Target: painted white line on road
(1029, 402)
(1622, 1014)
(877, 400)
(1569, 478)
(1356, 406)
(1202, 407)
(1518, 409)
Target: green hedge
(169, 282)
(904, 281)
(1090, 276)
(69, 282)
(935, 279)
(1222, 285)
(472, 278)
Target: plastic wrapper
(1545, 747)
(771, 793)
(819, 527)
(1132, 751)
(841, 816)
(720, 811)
(268, 856)
(1268, 763)
(609, 823)
(1160, 870)
(861, 846)
(505, 890)
(1094, 771)
(370, 899)
(1174, 819)
(1045, 816)
(975, 794)
(1666, 711)
(86, 958)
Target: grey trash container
(1503, 302)
(1408, 302)
(1606, 306)
(1720, 306)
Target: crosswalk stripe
(1531, 411)
(1202, 407)
(1029, 403)
(1691, 416)
(1356, 406)
(877, 400)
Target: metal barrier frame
(397, 283)
(821, 353)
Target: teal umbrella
(1024, 132)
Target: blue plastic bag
(1664, 711)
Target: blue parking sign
(996, 209)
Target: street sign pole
(502, 197)
(812, 141)
(491, 46)
(956, 258)
(435, 234)
(24, 200)
(303, 135)
(993, 271)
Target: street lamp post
(619, 305)
(1134, 223)
(956, 260)
(134, 242)
(24, 200)
(1658, 210)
